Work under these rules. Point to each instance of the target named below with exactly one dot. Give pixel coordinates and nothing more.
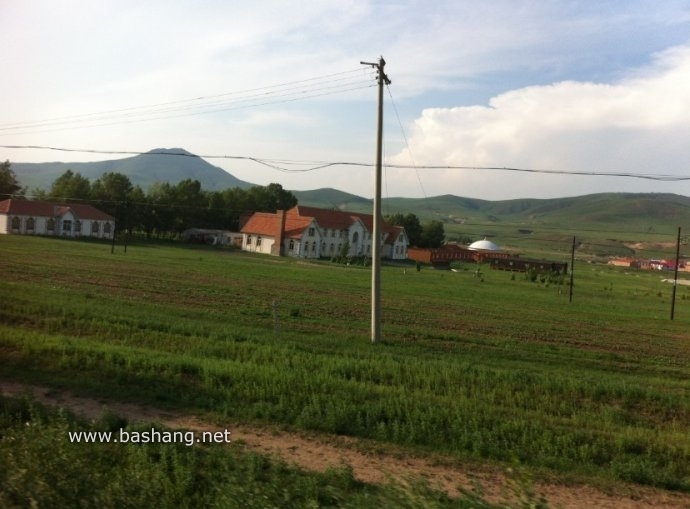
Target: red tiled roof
(300, 217)
(50, 209)
(339, 219)
(336, 219)
(261, 223)
(295, 226)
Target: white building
(310, 232)
(26, 217)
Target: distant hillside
(627, 211)
(159, 165)
(620, 211)
(329, 198)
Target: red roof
(336, 219)
(300, 217)
(261, 223)
(51, 209)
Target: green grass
(490, 368)
(41, 467)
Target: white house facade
(310, 232)
(24, 217)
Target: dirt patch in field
(319, 452)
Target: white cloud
(640, 124)
(83, 57)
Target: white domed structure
(483, 245)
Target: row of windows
(332, 233)
(67, 225)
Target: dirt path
(318, 452)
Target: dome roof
(484, 245)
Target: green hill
(159, 165)
(598, 214)
(604, 212)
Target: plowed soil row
(319, 452)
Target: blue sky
(556, 85)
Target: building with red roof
(26, 217)
(310, 232)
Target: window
(333, 233)
(77, 226)
(30, 224)
(16, 223)
(50, 225)
(249, 240)
(106, 228)
(332, 248)
(67, 225)
(313, 247)
(323, 247)
(94, 227)
(291, 246)
(311, 232)
(258, 241)
(355, 237)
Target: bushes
(40, 467)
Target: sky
(562, 86)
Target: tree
(160, 201)
(433, 234)
(111, 192)
(9, 185)
(270, 198)
(70, 187)
(191, 205)
(412, 226)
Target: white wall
(249, 243)
(41, 226)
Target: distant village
(301, 232)
(640, 263)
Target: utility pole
(675, 276)
(572, 270)
(376, 237)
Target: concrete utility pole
(376, 237)
(675, 276)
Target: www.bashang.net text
(152, 436)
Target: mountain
(625, 211)
(159, 165)
(329, 198)
(620, 211)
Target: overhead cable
(280, 164)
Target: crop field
(485, 367)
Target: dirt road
(318, 452)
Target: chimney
(278, 249)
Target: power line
(275, 94)
(279, 164)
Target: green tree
(111, 194)
(412, 226)
(433, 234)
(191, 205)
(70, 187)
(9, 185)
(160, 201)
(270, 198)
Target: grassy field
(488, 367)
